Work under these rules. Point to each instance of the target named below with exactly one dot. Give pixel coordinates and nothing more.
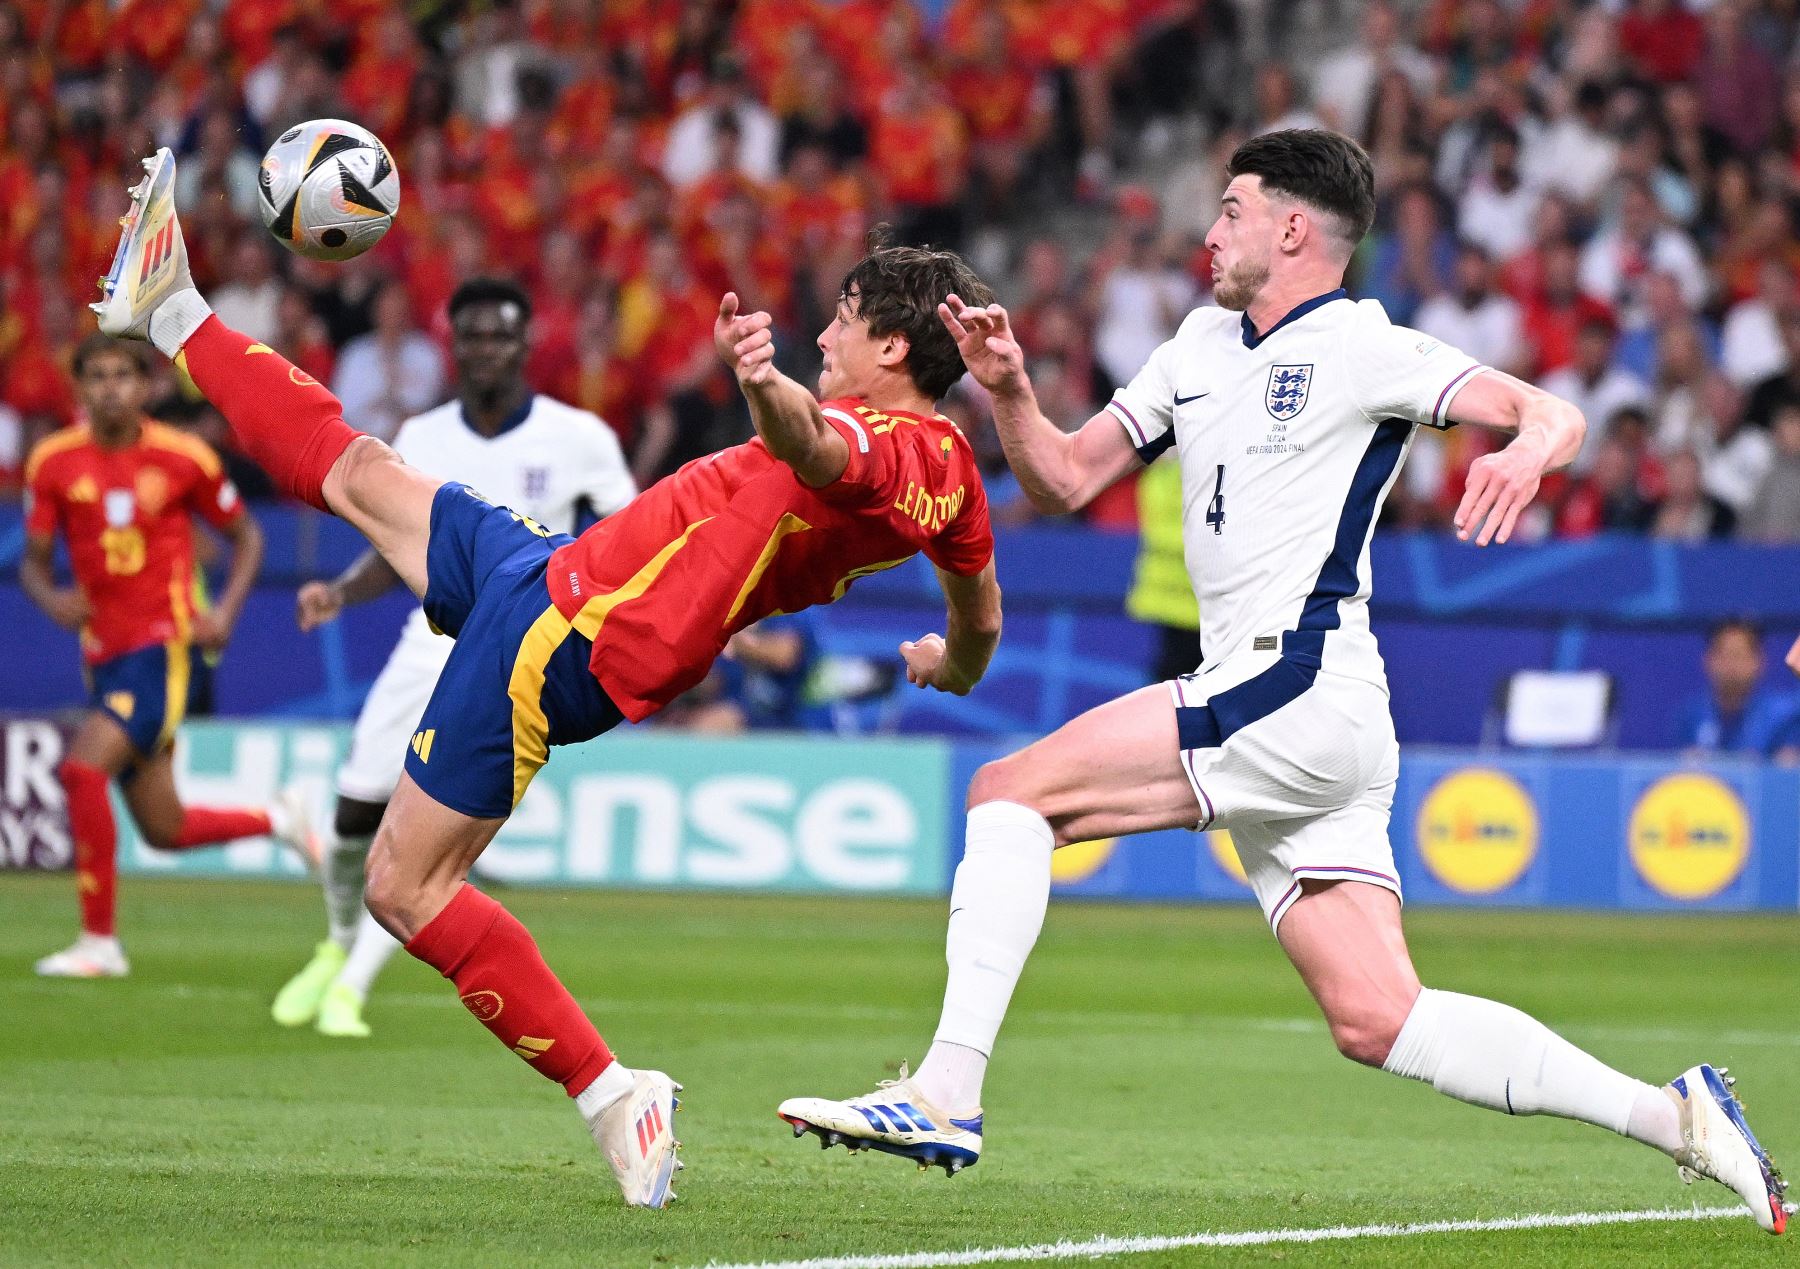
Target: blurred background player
(557, 464)
(559, 639)
(125, 491)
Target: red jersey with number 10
(735, 537)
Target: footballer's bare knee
(403, 896)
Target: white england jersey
(545, 462)
(1288, 444)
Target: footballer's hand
(211, 631)
(927, 665)
(984, 338)
(744, 342)
(1499, 487)
(69, 608)
(316, 604)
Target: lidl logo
(1078, 861)
(1689, 836)
(1224, 853)
(1478, 830)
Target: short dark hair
(1325, 170)
(898, 289)
(489, 291)
(98, 345)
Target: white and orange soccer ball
(328, 189)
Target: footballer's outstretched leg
(1345, 939)
(293, 427)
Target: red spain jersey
(735, 537)
(126, 514)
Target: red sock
(285, 420)
(502, 978)
(96, 844)
(209, 825)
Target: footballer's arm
(368, 577)
(66, 606)
(1059, 472)
(212, 629)
(956, 661)
(787, 416)
(1547, 434)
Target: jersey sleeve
(1398, 372)
(607, 483)
(213, 497)
(1145, 407)
(966, 544)
(870, 475)
(42, 500)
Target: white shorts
(384, 728)
(1299, 765)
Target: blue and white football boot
(1721, 1147)
(896, 1119)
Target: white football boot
(1721, 1147)
(637, 1135)
(290, 822)
(151, 262)
(90, 956)
(897, 1119)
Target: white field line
(1095, 1248)
(1705, 1036)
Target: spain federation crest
(1288, 386)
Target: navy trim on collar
(1252, 339)
(507, 424)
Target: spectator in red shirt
(1661, 39)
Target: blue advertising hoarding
(884, 816)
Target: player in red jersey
(125, 491)
(559, 639)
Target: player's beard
(1239, 284)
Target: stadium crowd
(1599, 197)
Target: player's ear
(1296, 228)
(895, 347)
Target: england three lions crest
(1288, 386)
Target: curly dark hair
(1325, 170)
(898, 289)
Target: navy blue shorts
(517, 681)
(145, 692)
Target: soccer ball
(328, 189)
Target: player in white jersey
(550, 461)
(1291, 408)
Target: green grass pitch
(1162, 1073)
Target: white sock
(176, 319)
(997, 908)
(370, 951)
(342, 875)
(608, 1087)
(950, 1077)
(1490, 1054)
